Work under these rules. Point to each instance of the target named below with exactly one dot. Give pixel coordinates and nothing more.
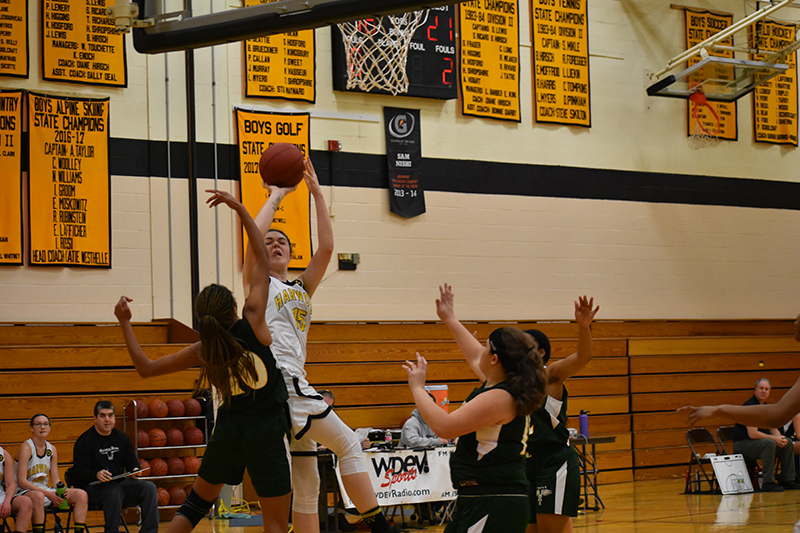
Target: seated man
(417, 434)
(102, 452)
(764, 444)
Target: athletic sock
(38, 528)
(78, 527)
(376, 520)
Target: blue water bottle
(584, 423)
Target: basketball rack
(723, 79)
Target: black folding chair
(67, 479)
(697, 437)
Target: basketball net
(377, 51)
(702, 135)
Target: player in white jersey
(12, 504)
(37, 474)
(313, 421)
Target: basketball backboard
(179, 30)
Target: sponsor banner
(14, 38)
(401, 477)
(257, 130)
(11, 177)
(560, 32)
(775, 100)
(69, 200)
(489, 60)
(700, 25)
(404, 157)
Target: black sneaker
(791, 485)
(771, 487)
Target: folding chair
(696, 437)
(4, 526)
(58, 527)
(67, 479)
(725, 434)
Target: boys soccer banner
(257, 130)
(11, 177)
(69, 200)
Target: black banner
(404, 155)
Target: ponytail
(525, 374)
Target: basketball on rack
(282, 165)
(176, 496)
(144, 465)
(175, 408)
(158, 409)
(163, 497)
(174, 437)
(157, 437)
(143, 439)
(192, 464)
(136, 409)
(191, 407)
(158, 467)
(175, 466)
(193, 436)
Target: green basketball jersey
(549, 425)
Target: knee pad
(305, 484)
(194, 508)
(347, 448)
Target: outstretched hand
(694, 415)
(121, 310)
(445, 302)
(584, 314)
(310, 175)
(417, 372)
(221, 197)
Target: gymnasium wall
(521, 218)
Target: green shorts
(555, 480)
(254, 441)
(490, 513)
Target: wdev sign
(394, 469)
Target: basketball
(157, 437)
(191, 464)
(193, 436)
(191, 407)
(158, 409)
(136, 409)
(158, 467)
(176, 495)
(144, 439)
(175, 466)
(144, 465)
(163, 497)
(174, 437)
(188, 489)
(175, 408)
(282, 165)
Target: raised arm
(559, 371)
(313, 274)
(467, 343)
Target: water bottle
(388, 439)
(61, 489)
(584, 423)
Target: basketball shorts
(47, 501)
(257, 442)
(305, 405)
(490, 513)
(555, 483)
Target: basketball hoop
(702, 135)
(377, 51)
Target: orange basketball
(157, 437)
(192, 464)
(282, 165)
(158, 409)
(175, 408)
(143, 439)
(188, 489)
(158, 467)
(176, 495)
(174, 437)
(193, 436)
(136, 409)
(144, 465)
(192, 407)
(175, 466)
(163, 497)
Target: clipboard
(120, 476)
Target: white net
(700, 138)
(377, 51)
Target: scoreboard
(432, 68)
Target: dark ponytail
(525, 374)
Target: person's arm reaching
(318, 264)
(470, 346)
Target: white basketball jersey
(38, 471)
(288, 317)
(2, 475)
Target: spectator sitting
(12, 504)
(417, 434)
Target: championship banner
(69, 197)
(80, 43)
(403, 477)
(11, 177)
(280, 66)
(700, 25)
(257, 130)
(14, 38)
(560, 35)
(489, 60)
(404, 156)
(775, 100)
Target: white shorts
(305, 405)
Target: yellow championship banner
(280, 66)
(11, 177)
(80, 44)
(256, 132)
(775, 100)
(560, 35)
(69, 197)
(14, 38)
(489, 60)
(700, 25)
